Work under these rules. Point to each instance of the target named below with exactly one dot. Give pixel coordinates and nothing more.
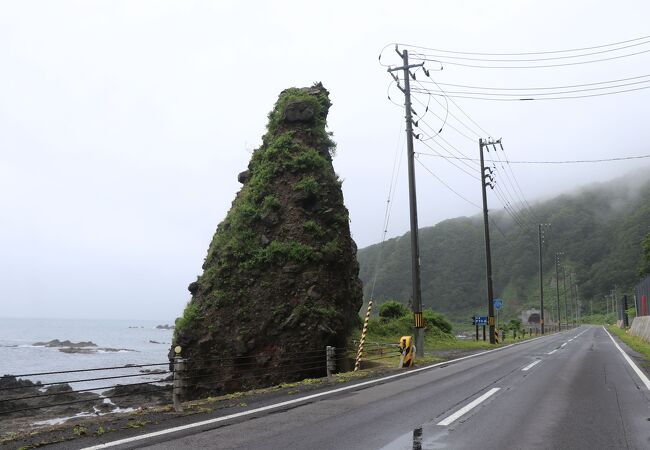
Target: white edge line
(531, 365)
(551, 352)
(638, 371)
(295, 400)
(467, 408)
(563, 345)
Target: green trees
(598, 229)
(645, 263)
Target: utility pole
(578, 302)
(572, 300)
(488, 257)
(557, 288)
(566, 307)
(541, 274)
(415, 248)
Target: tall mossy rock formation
(280, 280)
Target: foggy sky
(123, 125)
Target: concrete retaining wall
(641, 327)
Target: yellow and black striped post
(357, 363)
(496, 336)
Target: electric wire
(78, 391)
(573, 161)
(86, 380)
(489, 88)
(397, 163)
(523, 53)
(517, 198)
(519, 60)
(440, 118)
(446, 185)
(539, 94)
(82, 370)
(531, 98)
(449, 160)
(537, 66)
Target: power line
(446, 185)
(538, 88)
(527, 53)
(449, 160)
(575, 161)
(538, 66)
(461, 109)
(540, 94)
(552, 58)
(568, 97)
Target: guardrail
(94, 390)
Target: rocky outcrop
(138, 395)
(57, 343)
(280, 280)
(20, 398)
(84, 348)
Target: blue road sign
(479, 320)
(498, 303)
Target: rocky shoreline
(79, 347)
(24, 403)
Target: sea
(137, 342)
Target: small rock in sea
(57, 343)
(165, 327)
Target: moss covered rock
(280, 279)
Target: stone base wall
(641, 327)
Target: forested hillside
(599, 228)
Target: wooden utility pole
(566, 305)
(415, 249)
(557, 288)
(541, 275)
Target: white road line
(551, 352)
(638, 371)
(467, 408)
(294, 401)
(531, 365)
(563, 344)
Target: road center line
(551, 352)
(641, 375)
(467, 408)
(563, 344)
(531, 365)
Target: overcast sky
(123, 125)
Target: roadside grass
(634, 342)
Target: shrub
(392, 310)
(191, 315)
(311, 226)
(308, 184)
(437, 320)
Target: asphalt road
(572, 390)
